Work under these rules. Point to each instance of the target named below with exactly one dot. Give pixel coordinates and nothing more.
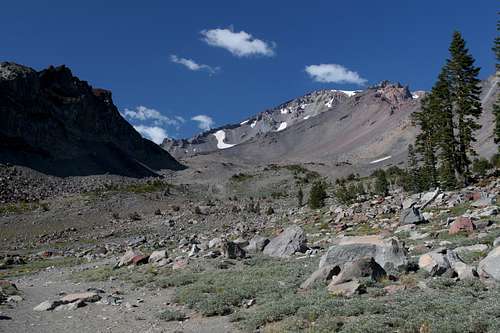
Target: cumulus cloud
(333, 73)
(241, 44)
(192, 65)
(204, 122)
(154, 133)
(143, 113)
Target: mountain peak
(53, 122)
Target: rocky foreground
(175, 259)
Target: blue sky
(245, 56)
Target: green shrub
(381, 183)
(481, 166)
(171, 315)
(495, 160)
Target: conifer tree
(300, 197)
(444, 128)
(317, 195)
(413, 172)
(381, 183)
(496, 106)
(464, 89)
(426, 141)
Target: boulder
(47, 306)
(411, 215)
(194, 250)
(70, 306)
(428, 198)
(434, 263)
(128, 257)
(484, 201)
(362, 268)
(257, 244)
(139, 259)
(323, 274)
(389, 253)
(216, 242)
(442, 260)
(180, 263)
(489, 267)
(157, 256)
(241, 242)
(83, 297)
(346, 289)
(464, 271)
(471, 248)
(461, 224)
(232, 250)
(291, 240)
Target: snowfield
(281, 127)
(349, 93)
(381, 159)
(220, 135)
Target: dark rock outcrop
(53, 122)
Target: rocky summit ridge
(55, 123)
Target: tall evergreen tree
(442, 107)
(317, 195)
(381, 183)
(496, 107)
(413, 180)
(300, 197)
(426, 141)
(465, 90)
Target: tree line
(443, 154)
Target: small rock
(139, 260)
(47, 306)
(128, 258)
(14, 299)
(411, 215)
(461, 224)
(157, 256)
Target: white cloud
(154, 133)
(146, 114)
(192, 65)
(334, 73)
(204, 122)
(240, 44)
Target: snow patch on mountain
(252, 125)
(284, 111)
(307, 117)
(220, 135)
(281, 127)
(381, 159)
(349, 93)
(244, 122)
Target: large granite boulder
(291, 240)
(389, 253)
